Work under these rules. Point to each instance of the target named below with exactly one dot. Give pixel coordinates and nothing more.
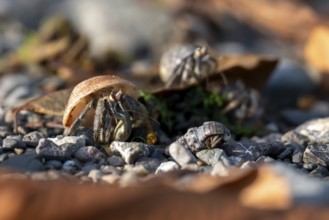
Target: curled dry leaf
(50, 104)
(165, 196)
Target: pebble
(3, 157)
(32, 139)
(220, 169)
(297, 156)
(317, 130)
(23, 162)
(150, 164)
(53, 164)
(309, 166)
(264, 159)
(110, 170)
(115, 161)
(86, 168)
(317, 154)
(79, 141)
(12, 142)
(320, 171)
(95, 175)
(248, 165)
(167, 167)
(49, 150)
(212, 156)
(130, 151)
(110, 178)
(69, 166)
(181, 154)
(129, 178)
(252, 150)
(88, 153)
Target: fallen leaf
(165, 196)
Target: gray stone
(317, 154)
(86, 168)
(115, 161)
(53, 164)
(220, 169)
(295, 137)
(309, 166)
(110, 170)
(212, 156)
(23, 162)
(79, 141)
(3, 157)
(181, 154)
(95, 175)
(32, 139)
(167, 167)
(159, 153)
(50, 150)
(297, 156)
(12, 142)
(130, 151)
(150, 164)
(129, 178)
(320, 171)
(69, 166)
(264, 159)
(248, 165)
(317, 130)
(89, 153)
(253, 150)
(110, 178)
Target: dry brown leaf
(162, 197)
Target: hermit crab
(109, 105)
(185, 64)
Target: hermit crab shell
(93, 88)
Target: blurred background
(129, 36)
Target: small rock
(110, 170)
(95, 175)
(309, 166)
(167, 167)
(317, 154)
(317, 130)
(320, 171)
(264, 159)
(87, 134)
(150, 164)
(53, 164)
(32, 139)
(3, 157)
(212, 156)
(295, 137)
(252, 150)
(248, 165)
(88, 167)
(297, 156)
(130, 151)
(71, 140)
(19, 150)
(220, 169)
(69, 166)
(110, 178)
(181, 155)
(159, 153)
(89, 153)
(50, 150)
(129, 178)
(23, 162)
(115, 161)
(12, 142)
